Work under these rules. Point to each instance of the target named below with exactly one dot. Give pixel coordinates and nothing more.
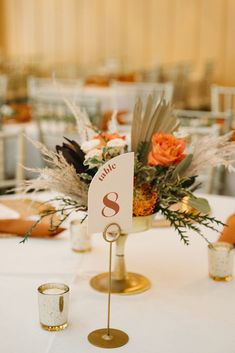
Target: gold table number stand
(109, 337)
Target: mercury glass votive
(53, 301)
(220, 261)
(79, 237)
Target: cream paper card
(110, 195)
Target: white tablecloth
(183, 312)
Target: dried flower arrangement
(164, 173)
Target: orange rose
(166, 150)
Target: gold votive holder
(220, 261)
(80, 239)
(53, 301)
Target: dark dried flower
(73, 154)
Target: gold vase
(124, 282)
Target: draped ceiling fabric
(140, 33)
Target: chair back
(3, 89)
(198, 118)
(47, 88)
(196, 124)
(53, 117)
(18, 156)
(222, 99)
(126, 94)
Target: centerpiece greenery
(165, 174)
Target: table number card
(110, 195)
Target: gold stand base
(54, 328)
(133, 284)
(100, 338)
(221, 279)
(82, 251)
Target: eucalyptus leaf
(86, 176)
(183, 165)
(200, 204)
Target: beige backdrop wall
(141, 33)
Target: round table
(184, 311)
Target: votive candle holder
(53, 301)
(220, 261)
(80, 239)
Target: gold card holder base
(115, 339)
(133, 284)
(227, 278)
(109, 337)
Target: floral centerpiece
(165, 173)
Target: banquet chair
(152, 75)
(223, 99)
(3, 89)
(92, 106)
(3, 94)
(18, 156)
(200, 118)
(126, 94)
(52, 115)
(196, 124)
(55, 120)
(58, 88)
(51, 94)
(179, 74)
